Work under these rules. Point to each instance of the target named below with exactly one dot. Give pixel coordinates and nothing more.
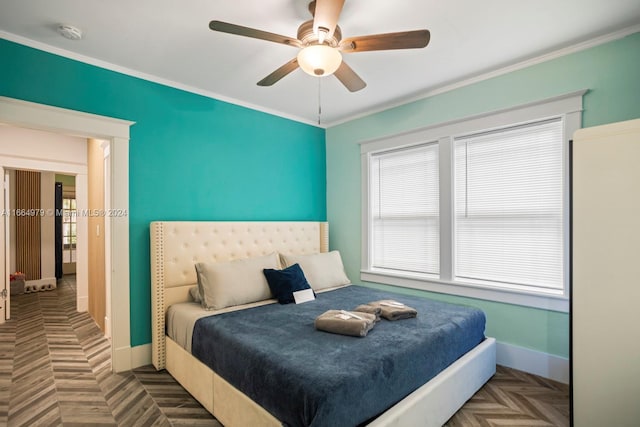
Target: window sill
(546, 302)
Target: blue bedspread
(306, 377)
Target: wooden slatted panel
(28, 223)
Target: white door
(605, 295)
(5, 289)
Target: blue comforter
(306, 377)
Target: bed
(177, 246)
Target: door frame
(5, 236)
(31, 115)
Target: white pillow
(323, 270)
(225, 284)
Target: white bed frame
(177, 246)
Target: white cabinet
(606, 276)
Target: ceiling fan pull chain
(319, 101)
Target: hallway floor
(55, 370)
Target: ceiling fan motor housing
(308, 37)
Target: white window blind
(404, 210)
(509, 207)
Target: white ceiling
(169, 41)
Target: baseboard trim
(533, 361)
(128, 358)
(140, 355)
(82, 304)
(107, 327)
(121, 360)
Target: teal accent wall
(609, 71)
(190, 157)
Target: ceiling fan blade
(349, 78)
(279, 73)
(239, 30)
(388, 41)
(326, 15)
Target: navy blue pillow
(283, 283)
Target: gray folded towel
(366, 308)
(393, 310)
(345, 322)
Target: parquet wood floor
(515, 398)
(55, 370)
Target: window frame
(431, 147)
(69, 217)
(568, 107)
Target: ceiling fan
(321, 44)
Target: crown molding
(145, 76)
(422, 95)
(597, 41)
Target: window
(404, 209)
(68, 230)
(481, 211)
(509, 207)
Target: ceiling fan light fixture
(319, 60)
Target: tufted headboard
(176, 246)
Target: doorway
(60, 121)
(30, 228)
(67, 207)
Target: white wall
(36, 144)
